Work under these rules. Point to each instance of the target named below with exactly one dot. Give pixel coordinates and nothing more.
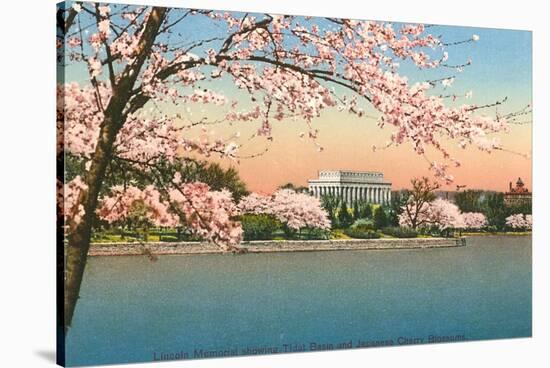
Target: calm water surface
(132, 309)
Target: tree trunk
(79, 239)
(76, 252)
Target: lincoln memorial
(351, 186)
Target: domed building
(518, 194)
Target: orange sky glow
(347, 144)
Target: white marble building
(352, 186)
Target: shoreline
(271, 246)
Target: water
(132, 309)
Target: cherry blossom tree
(439, 213)
(474, 220)
(295, 210)
(415, 212)
(519, 221)
(444, 215)
(139, 66)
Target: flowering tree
(136, 60)
(445, 215)
(295, 210)
(474, 220)
(209, 214)
(520, 221)
(415, 213)
(439, 213)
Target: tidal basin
(132, 309)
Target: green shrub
(380, 219)
(361, 233)
(168, 238)
(338, 234)
(400, 232)
(363, 223)
(314, 234)
(259, 227)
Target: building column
(346, 194)
(372, 195)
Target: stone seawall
(162, 248)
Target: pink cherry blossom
(296, 210)
(68, 197)
(440, 213)
(290, 68)
(474, 220)
(520, 221)
(208, 214)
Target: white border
(27, 260)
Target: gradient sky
(501, 67)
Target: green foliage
(212, 174)
(344, 217)
(492, 205)
(330, 204)
(160, 172)
(362, 233)
(380, 218)
(366, 210)
(470, 200)
(338, 234)
(74, 166)
(137, 216)
(356, 210)
(168, 238)
(259, 227)
(363, 223)
(314, 234)
(495, 210)
(524, 207)
(398, 200)
(400, 232)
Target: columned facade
(352, 186)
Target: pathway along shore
(270, 246)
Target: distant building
(351, 186)
(518, 194)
